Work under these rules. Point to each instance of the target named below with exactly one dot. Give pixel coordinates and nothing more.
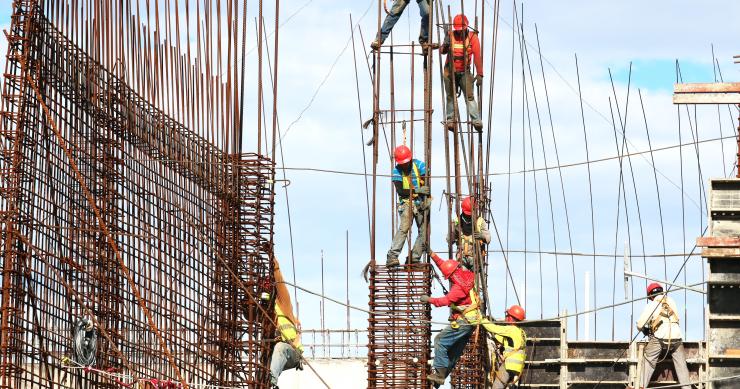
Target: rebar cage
(111, 209)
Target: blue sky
(605, 35)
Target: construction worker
(463, 299)
(464, 45)
(510, 342)
(659, 321)
(395, 14)
(465, 236)
(288, 350)
(413, 201)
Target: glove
(477, 236)
(424, 190)
(479, 80)
(425, 299)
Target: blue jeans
(449, 345)
(395, 14)
(284, 357)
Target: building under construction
(138, 206)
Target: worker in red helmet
(464, 301)
(395, 13)
(509, 342)
(413, 204)
(466, 234)
(659, 321)
(462, 48)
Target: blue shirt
(421, 167)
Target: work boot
(478, 125)
(450, 125)
(392, 262)
(375, 45)
(438, 376)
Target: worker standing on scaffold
(463, 299)
(395, 13)
(462, 46)
(466, 234)
(659, 321)
(413, 200)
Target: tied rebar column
(399, 327)
(111, 208)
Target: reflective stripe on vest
(406, 179)
(462, 53)
(513, 357)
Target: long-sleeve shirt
(668, 329)
(459, 294)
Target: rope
(85, 341)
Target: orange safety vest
(462, 53)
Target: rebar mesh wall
(187, 221)
(400, 328)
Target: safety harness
(408, 183)
(467, 242)
(666, 313)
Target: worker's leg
(399, 238)
(424, 13)
(284, 357)
(449, 345)
(449, 95)
(421, 215)
(679, 363)
(444, 345)
(502, 377)
(390, 20)
(650, 357)
(467, 85)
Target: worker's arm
(445, 45)
(477, 57)
(507, 331)
(485, 235)
(455, 295)
(647, 312)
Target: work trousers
(658, 349)
(395, 13)
(284, 357)
(502, 376)
(418, 212)
(449, 345)
(463, 81)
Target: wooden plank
(706, 98)
(708, 87)
(710, 241)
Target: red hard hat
(467, 206)
(448, 267)
(460, 23)
(651, 289)
(402, 154)
(516, 312)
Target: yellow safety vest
(514, 340)
(288, 332)
(466, 241)
(406, 179)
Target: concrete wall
(348, 373)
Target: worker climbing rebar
(660, 322)
(509, 342)
(413, 203)
(395, 13)
(463, 299)
(462, 48)
(288, 350)
(466, 234)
